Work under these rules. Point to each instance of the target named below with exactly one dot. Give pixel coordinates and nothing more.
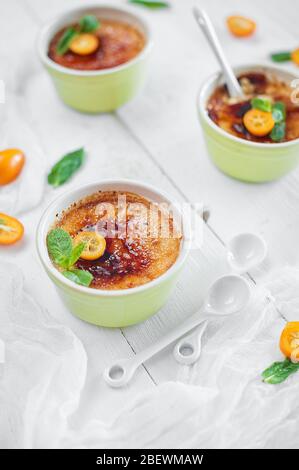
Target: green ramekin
(111, 308)
(96, 91)
(241, 159)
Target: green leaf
(281, 56)
(79, 276)
(279, 371)
(88, 23)
(66, 167)
(151, 3)
(278, 132)
(65, 40)
(263, 104)
(59, 245)
(76, 252)
(278, 109)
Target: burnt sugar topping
(142, 240)
(234, 115)
(114, 42)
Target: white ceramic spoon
(245, 251)
(228, 294)
(234, 89)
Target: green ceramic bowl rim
(46, 221)
(204, 94)
(52, 26)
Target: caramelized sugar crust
(138, 254)
(119, 43)
(229, 114)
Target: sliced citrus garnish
(95, 244)
(84, 44)
(258, 123)
(295, 56)
(11, 230)
(289, 340)
(240, 26)
(11, 164)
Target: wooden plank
(110, 157)
(165, 120)
(163, 146)
(102, 345)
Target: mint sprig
(281, 56)
(66, 167)
(79, 276)
(279, 114)
(151, 4)
(263, 104)
(278, 132)
(87, 24)
(279, 111)
(65, 255)
(279, 371)
(65, 40)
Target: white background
(157, 139)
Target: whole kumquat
(11, 164)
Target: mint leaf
(151, 3)
(279, 371)
(279, 108)
(76, 252)
(65, 40)
(277, 115)
(66, 167)
(278, 131)
(79, 276)
(281, 56)
(62, 252)
(263, 104)
(59, 244)
(88, 23)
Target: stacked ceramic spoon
(227, 296)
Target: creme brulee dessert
(121, 241)
(95, 44)
(267, 114)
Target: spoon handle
(188, 349)
(205, 24)
(120, 373)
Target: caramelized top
(228, 113)
(119, 43)
(137, 249)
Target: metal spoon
(227, 294)
(234, 89)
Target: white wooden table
(155, 138)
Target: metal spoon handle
(205, 24)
